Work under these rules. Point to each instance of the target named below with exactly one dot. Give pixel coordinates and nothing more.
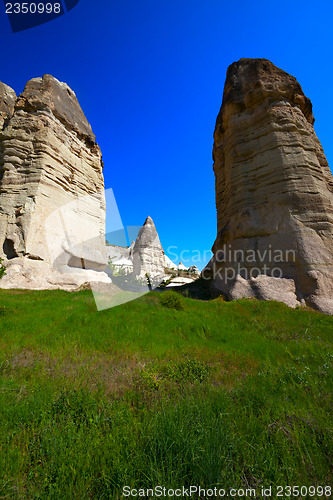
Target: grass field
(218, 394)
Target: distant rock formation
(168, 263)
(181, 267)
(274, 192)
(193, 270)
(52, 207)
(116, 253)
(148, 254)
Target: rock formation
(181, 267)
(148, 254)
(169, 264)
(193, 270)
(52, 208)
(7, 103)
(116, 252)
(274, 192)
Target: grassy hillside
(218, 394)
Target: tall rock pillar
(52, 207)
(274, 191)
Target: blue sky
(149, 76)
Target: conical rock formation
(274, 192)
(148, 254)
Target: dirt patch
(98, 371)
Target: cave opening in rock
(9, 250)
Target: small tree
(2, 268)
(2, 273)
(111, 265)
(149, 282)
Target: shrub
(188, 369)
(2, 268)
(149, 378)
(172, 300)
(73, 405)
(2, 273)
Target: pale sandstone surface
(148, 254)
(168, 263)
(264, 288)
(52, 207)
(116, 252)
(39, 275)
(274, 188)
(181, 267)
(180, 281)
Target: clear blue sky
(149, 76)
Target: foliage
(189, 369)
(116, 271)
(111, 265)
(237, 394)
(148, 282)
(172, 300)
(2, 268)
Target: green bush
(172, 300)
(188, 369)
(149, 378)
(70, 404)
(2, 273)
(2, 268)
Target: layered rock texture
(52, 207)
(274, 192)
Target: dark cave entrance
(9, 250)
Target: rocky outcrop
(116, 252)
(7, 103)
(193, 270)
(274, 191)
(148, 254)
(168, 263)
(52, 207)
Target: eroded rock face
(274, 189)
(148, 254)
(7, 103)
(52, 206)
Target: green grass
(219, 394)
